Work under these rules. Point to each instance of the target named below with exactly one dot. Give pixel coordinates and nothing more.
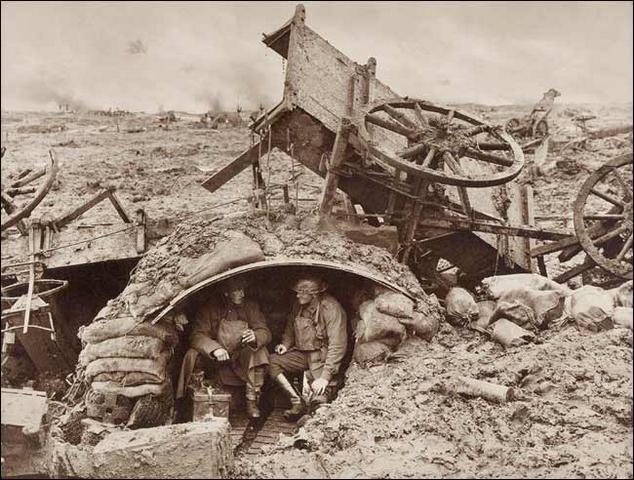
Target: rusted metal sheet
(281, 263)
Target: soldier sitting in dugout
(235, 334)
(315, 341)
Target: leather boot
(297, 404)
(252, 395)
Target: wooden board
(119, 246)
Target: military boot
(297, 404)
(253, 396)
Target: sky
(196, 56)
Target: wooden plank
(528, 213)
(336, 159)
(77, 212)
(118, 207)
(141, 242)
(232, 169)
(488, 227)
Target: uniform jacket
(330, 329)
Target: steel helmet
(234, 283)
(310, 285)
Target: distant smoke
(136, 47)
(48, 91)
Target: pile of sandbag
(384, 322)
(126, 356)
(517, 306)
(521, 304)
(597, 309)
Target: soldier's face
(304, 298)
(236, 296)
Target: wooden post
(141, 243)
(413, 221)
(528, 214)
(332, 178)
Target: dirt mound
(573, 416)
(155, 280)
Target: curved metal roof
(278, 263)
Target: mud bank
(573, 417)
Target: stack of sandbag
(126, 356)
(383, 323)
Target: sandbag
(509, 334)
(129, 346)
(529, 308)
(370, 351)
(623, 295)
(379, 325)
(485, 311)
(127, 326)
(395, 304)
(130, 392)
(423, 326)
(461, 307)
(129, 378)
(497, 285)
(623, 317)
(592, 308)
(154, 366)
(239, 250)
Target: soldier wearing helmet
(234, 333)
(314, 341)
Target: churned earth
(573, 414)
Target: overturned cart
(442, 178)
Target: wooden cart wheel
(603, 216)
(16, 213)
(436, 139)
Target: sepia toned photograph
(328, 239)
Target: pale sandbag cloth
(509, 334)
(130, 346)
(461, 307)
(623, 295)
(129, 378)
(379, 325)
(498, 285)
(591, 307)
(239, 250)
(370, 351)
(623, 317)
(127, 326)
(131, 392)
(421, 325)
(154, 366)
(395, 304)
(529, 308)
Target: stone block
(188, 450)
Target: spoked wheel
(437, 143)
(513, 126)
(29, 188)
(603, 216)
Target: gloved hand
(248, 336)
(221, 354)
(280, 349)
(319, 386)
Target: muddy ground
(574, 414)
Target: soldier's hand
(280, 349)
(221, 354)
(319, 386)
(248, 336)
